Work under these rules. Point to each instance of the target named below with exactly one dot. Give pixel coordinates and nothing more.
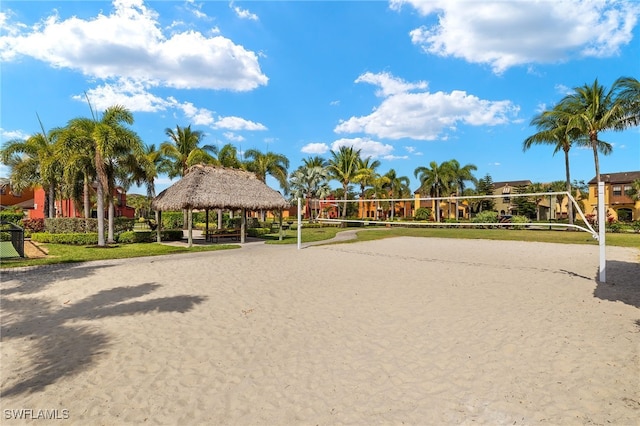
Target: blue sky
(406, 82)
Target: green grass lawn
(375, 233)
(64, 253)
(61, 253)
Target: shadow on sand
(623, 283)
(59, 347)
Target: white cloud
(129, 43)
(237, 123)
(367, 147)
(505, 34)
(131, 94)
(425, 115)
(7, 135)
(315, 148)
(136, 96)
(389, 85)
(563, 90)
(334, 103)
(412, 150)
(233, 137)
(243, 13)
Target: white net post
(602, 276)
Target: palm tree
(343, 167)
(634, 192)
(434, 180)
(316, 160)
(183, 150)
(33, 162)
(309, 183)
(107, 137)
(460, 175)
(366, 175)
(628, 96)
(398, 187)
(589, 111)
(270, 163)
(537, 187)
(228, 157)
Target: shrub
(258, 232)
(33, 225)
(10, 215)
(172, 220)
(62, 225)
(614, 227)
(636, 225)
(129, 237)
(86, 238)
(422, 213)
(487, 216)
(519, 220)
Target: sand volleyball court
(397, 331)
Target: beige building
(616, 199)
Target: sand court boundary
(401, 330)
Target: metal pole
(601, 233)
(299, 223)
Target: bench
(215, 234)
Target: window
(617, 190)
(627, 189)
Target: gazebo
(216, 187)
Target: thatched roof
(214, 187)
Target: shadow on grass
(57, 346)
(623, 283)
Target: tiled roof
(511, 183)
(621, 177)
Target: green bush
(519, 220)
(422, 213)
(129, 237)
(86, 238)
(10, 215)
(636, 225)
(486, 216)
(614, 227)
(258, 232)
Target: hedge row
(61, 225)
(91, 238)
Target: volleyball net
(377, 215)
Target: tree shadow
(62, 348)
(37, 279)
(623, 283)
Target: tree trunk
(112, 210)
(594, 144)
(568, 187)
(100, 212)
(85, 197)
(52, 201)
(219, 218)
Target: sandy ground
(397, 331)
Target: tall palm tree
(343, 167)
(228, 157)
(398, 187)
(107, 137)
(459, 176)
(315, 160)
(269, 163)
(591, 110)
(553, 130)
(33, 162)
(366, 175)
(435, 180)
(183, 150)
(309, 183)
(628, 96)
